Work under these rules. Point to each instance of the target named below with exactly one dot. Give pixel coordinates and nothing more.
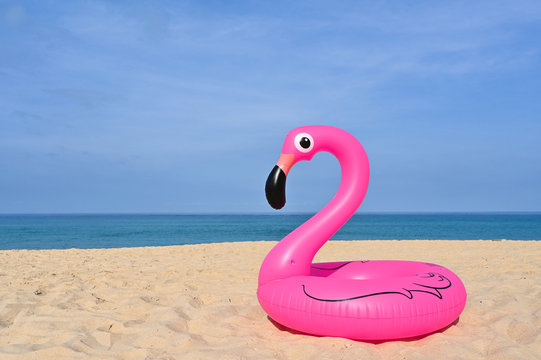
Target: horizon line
(480, 212)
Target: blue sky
(174, 106)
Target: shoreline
(268, 241)
(199, 301)
(276, 241)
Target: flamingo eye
(304, 142)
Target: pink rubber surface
(367, 300)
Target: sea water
(111, 231)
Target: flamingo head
(300, 144)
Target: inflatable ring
(363, 300)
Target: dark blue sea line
(111, 231)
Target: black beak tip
(277, 206)
(275, 188)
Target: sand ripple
(199, 302)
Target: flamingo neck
(294, 254)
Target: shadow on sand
(410, 339)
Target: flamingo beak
(275, 187)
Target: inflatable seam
(377, 315)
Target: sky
(183, 106)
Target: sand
(199, 302)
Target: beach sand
(199, 302)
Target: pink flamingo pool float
(363, 300)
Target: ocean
(112, 231)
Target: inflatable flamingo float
(363, 300)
